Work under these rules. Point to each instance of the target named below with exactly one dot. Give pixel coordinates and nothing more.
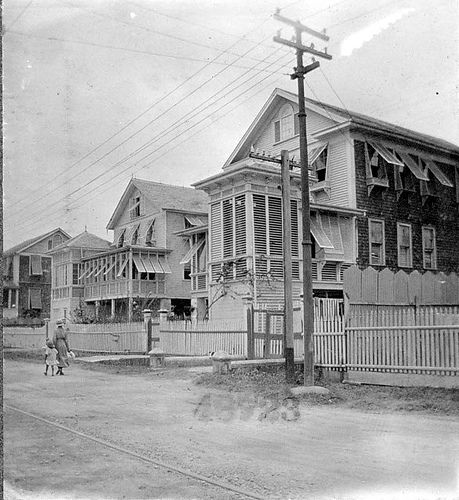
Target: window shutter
(275, 225)
(277, 131)
(216, 231)
(240, 227)
(294, 219)
(259, 223)
(35, 298)
(35, 265)
(228, 239)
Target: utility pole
(300, 71)
(288, 291)
(286, 166)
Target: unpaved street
(325, 453)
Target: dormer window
(286, 126)
(135, 207)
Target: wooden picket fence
(204, 337)
(23, 337)
(430, 349)
(113, 338)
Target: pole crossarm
(301, 27)
(292, 164)
(304, 48)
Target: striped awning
(194, 221)
(316, 152)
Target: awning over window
(130, 232)
(315, 153)
(123, 265)
(35, 264)
(385, 153)
(413, 166)
(164, 264)
(139, 264)
(194, 221)
(92, 271)
(192, 251)
(150, 265)
(319, 235)
(435, 169)
(35, 298)
(149, 226)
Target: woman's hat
(49, 343)
(59, 322)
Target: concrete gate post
(147, 322)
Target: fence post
(248, 313)
(147, 321)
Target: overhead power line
(106, 183)
(52, 188)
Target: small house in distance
(27, 278)
(66, 287)
(142, 267)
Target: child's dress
(51, 356)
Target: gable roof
(165, 196)
(83, 240)
(340, 116)
(21, 247)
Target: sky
(98, 91)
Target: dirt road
(325, 453)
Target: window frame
(30, 265)
(400, 225)
(434, 250)
(371, 243)
(286, 126)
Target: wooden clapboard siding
(338, 167)
(265, 140)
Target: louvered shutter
(259, 223)
(228, 239)
(216, 230)
(240, 227)
(275, 225)
(294, 219)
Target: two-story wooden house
(66, 287)
(27, 277)
(381, 195)
(143, 265)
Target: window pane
(376, 232)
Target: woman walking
(61, 344)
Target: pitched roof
(341, 115)
(32, 241)
(165, 196)
(83, 240)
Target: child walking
(50, 357)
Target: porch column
(97, 309)
(129, 285)
(113, 308)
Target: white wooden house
(364, 172)
(143, 264)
